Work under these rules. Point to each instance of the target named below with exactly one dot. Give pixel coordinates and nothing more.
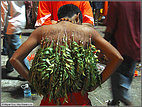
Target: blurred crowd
(99, 10)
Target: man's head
(70, 11)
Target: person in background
(3, 19)
(98, 6)
(47, 12)
(105, 9)
(123, 30)
(14, 23)
(70, 19)
(28, 6)
(31, 13)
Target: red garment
(48, 10)
(73, 99)
(124, 19)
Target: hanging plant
(60, 68)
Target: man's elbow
(12, 60)
(120, 59)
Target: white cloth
(16, 19)
(4, 11)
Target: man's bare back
(59, 30)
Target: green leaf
(46, 52)
(67, 49)
(67, 65)
(48, 61)
(51, 66)
(49, 69)
(69, 60)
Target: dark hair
(68, 11)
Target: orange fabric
(48, 10)
(105, 8)
(73, 99)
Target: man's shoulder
(48, 27)
(87, 28)
(76, 27)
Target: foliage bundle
(59, 69)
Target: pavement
(12, 93)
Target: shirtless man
(69, 16)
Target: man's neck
(65, 19)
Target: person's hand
(102, 58)
(92, 88)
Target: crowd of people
(121, 43)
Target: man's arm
(114, 57)
(22, 52)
